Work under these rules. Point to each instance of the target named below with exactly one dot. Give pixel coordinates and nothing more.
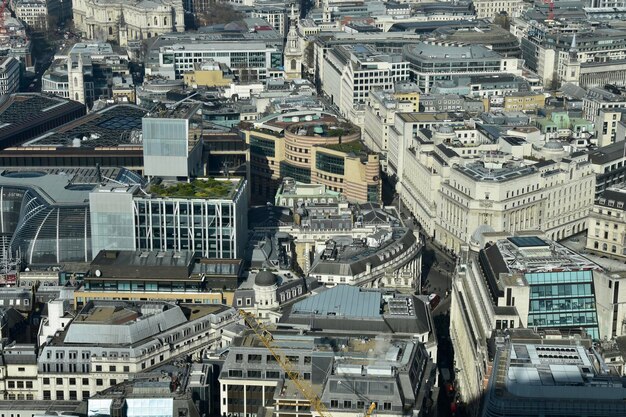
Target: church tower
(293, 50)
(75, 78)
(572, 66)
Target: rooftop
(117, 125)
(528, 255)
(198, 188)
(60, 185)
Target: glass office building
(563, 299)
(128, 218)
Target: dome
(553, 145)
(265, 279)
(477, 236)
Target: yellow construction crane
(303, 386)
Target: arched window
(110, 31)
(293, 64)
(165, 21)
(156, 21)
(75, 81)
(604, 247)
(76, 97)
(149, 34)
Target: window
(59, 395)
(98, 368)
(387, 406)
(85, 381)
(47, 395)
(29, 384)
(347, 404)
(59, 381)
(11, 384)
(334, 403)
(99, 382)
(126, 368)
(112, 368)
(85, 395)
(113, 382)
(46, 381)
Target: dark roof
(447, 151)
(607, 153)
(265, 279)
(142, 264)
(610, 197)
(493, 265)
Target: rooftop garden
(199, 188)
(355, 147)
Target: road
(437, 274)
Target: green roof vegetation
(199, 188)
(355, 147)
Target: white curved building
(124, 20)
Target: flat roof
(341, 301)
(110, 127)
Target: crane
(301, 384)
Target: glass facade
(329, 163)
(297, 173)
(372, 193)
(260, 146)
(48, 234)
(200, 225)
(563, 299)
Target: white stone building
(123, 20)
(457, 181)
(34, 13)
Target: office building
(207, 216)
(46, 213)
(604, 109)
(250, 51)
(208, 74)
(348, 372)
(312, 147)
(121, 21)
(110, 137)
(165, 276)
(34, 13)
(109, 342)
(389, 258)
(9, 75)
(521, 281)
(384, 311)
(172, 141)
(432, 61)
(534, 379)
(607, 224)
(351, 71)
(27, 115)
(491, 9)
(609, 165)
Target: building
(453, 183)
(607, 224)
(251, 378)
(265, 294)
(122, 21)
(432, 61)
(521, 281)
(248, 51)
(34, 13)
(207, 216)
(46, 213)
(490, 9)
(609, 165)
(27, 115)
(312, 147)
(351, 71)
(109, 342)
(208, 74)
(9, 75)
(165, 276)
(110, 137)
(167, 388)
(87, 73)
(528, 379)
(525, 101)
(389, 258)
(604, 109)
(292, 193)
(172, 145)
